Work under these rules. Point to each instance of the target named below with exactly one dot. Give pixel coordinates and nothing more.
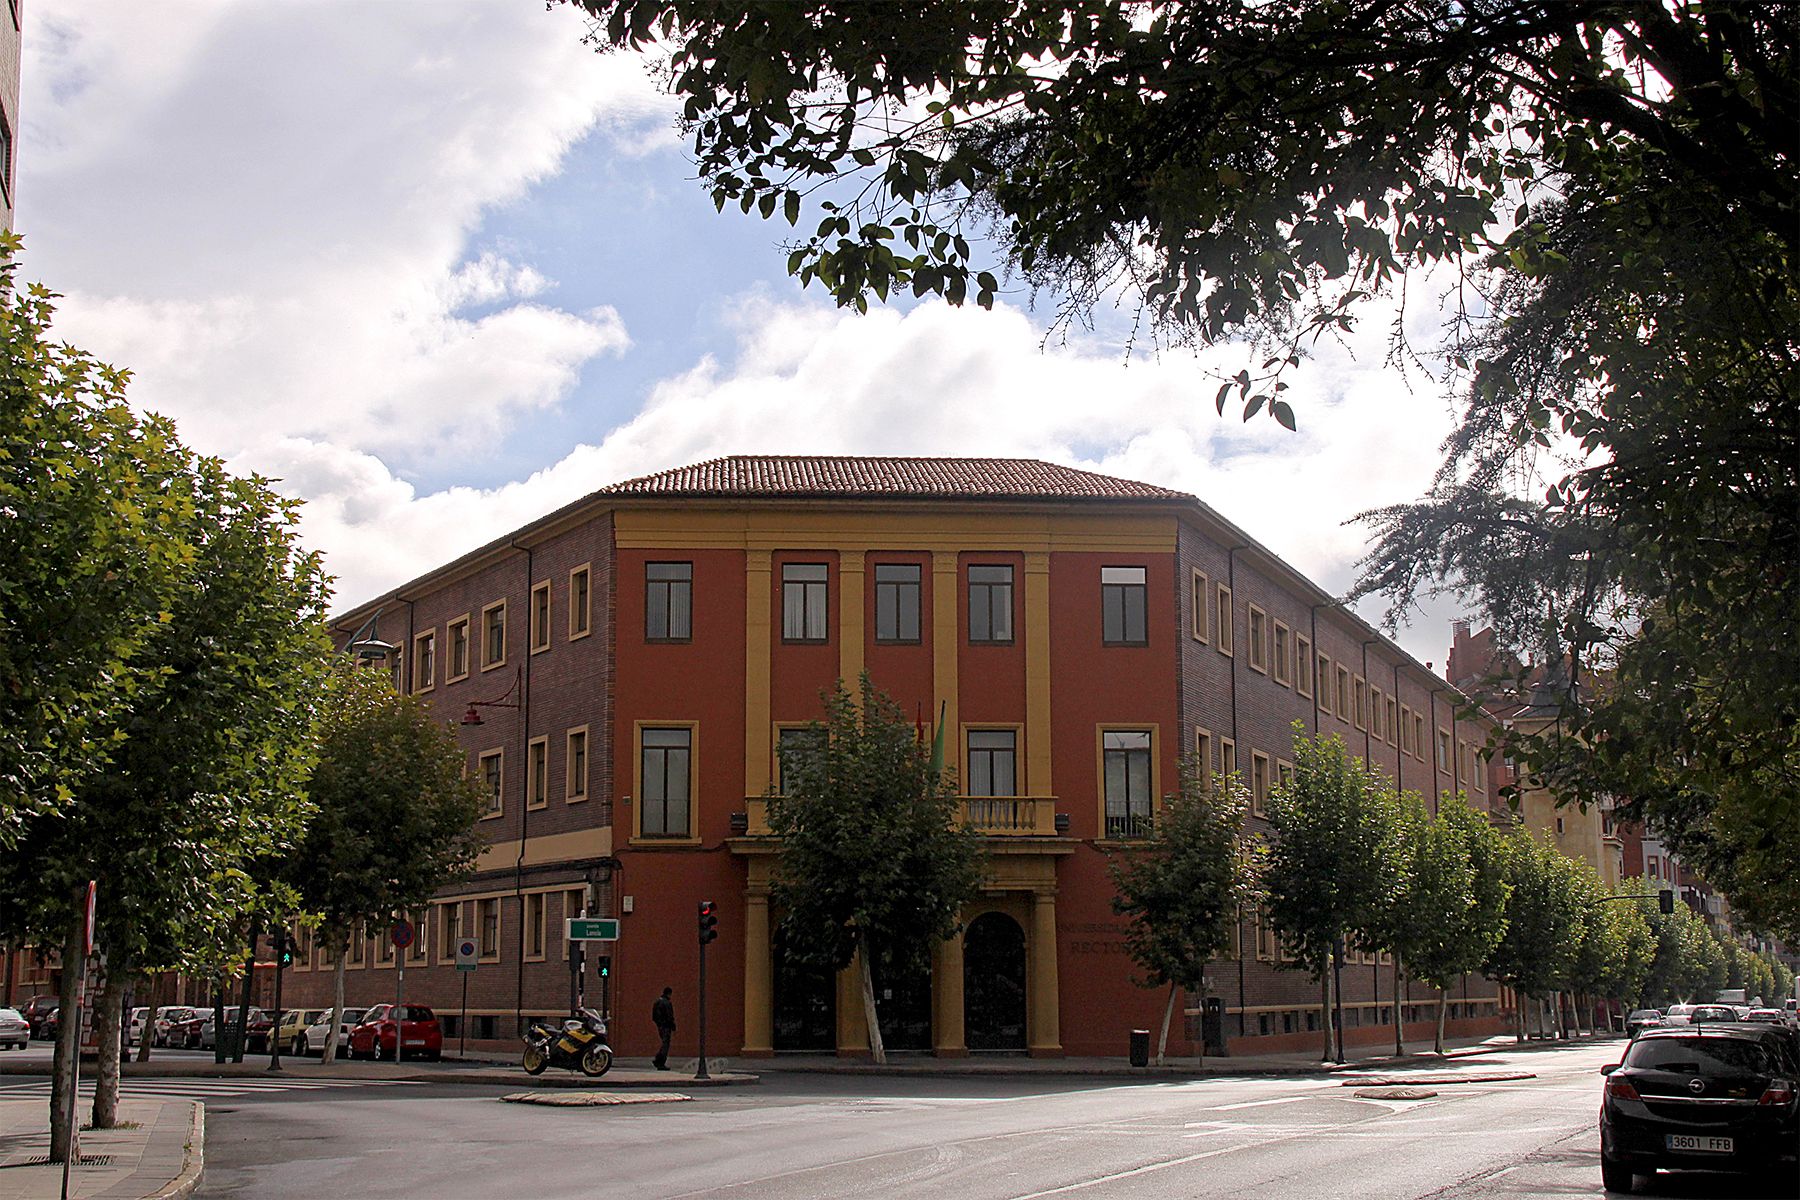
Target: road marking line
(1146, 1169)
(1257, 1103)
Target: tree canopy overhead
(1613, 183)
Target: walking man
(663, 1013)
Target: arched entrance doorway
(994, 983)
(805, 1005)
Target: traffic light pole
(700, 1071)
(280, 970)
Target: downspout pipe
(524, 775)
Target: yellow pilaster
(1037, 676)
(949, 1038)
(1045, 1039)
(852, 1025)
(756, 672)
(850, 617)
(759, 976)
(944, 646)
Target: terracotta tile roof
(914, 478)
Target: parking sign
(466, 954)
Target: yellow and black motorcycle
(579, 1043)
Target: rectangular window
(1343, 693)
(1259, 639)
(491, 766)
(6, 138)
(1227, 757)
(1197, 601)
(384, 949)
(1126, 768)
(580, 602)
(1203, 756)
(534, 925)
(537, 773)
(1259, 783)
(540, 617)
(1284, 772)
(1123, 603)
(1222, 619)
(575, 766)
(424, 663)
(993, 760)
(794, 740)
(1265, 939)
(1360, 688)
(668, 601)
(488, 927)
(1377, 714)
(896, 602)
(421, 923)
(449, 930)
(664, 806)
(1393, 722)
(1324, 682)
(803, 607)
(456, 635)
(359, 946)
(990, 604)
(1283, 645)
(1443, 750)
(493, 635)
(1303, 665)
(1405, 729)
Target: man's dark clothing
(663, 1013)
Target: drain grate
(43, 1160)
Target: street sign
(87, 936)
(466, 954)
(402, 933)
(593, 929)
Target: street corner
(592, 1099)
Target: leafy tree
(1328, 871)
(874, 860)
(1183, 887)
(1534, 954)
(1632, 927)
(1267, 169)
(91, 549)
(1423, 889)
(1600, 949)
(1460, 885)
(395, 819)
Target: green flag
(937, 742)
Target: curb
(193, 1165)
(514, 1079)
(591, 1099)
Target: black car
(1702, 1098)
(37, 1012)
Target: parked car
(1704, 1098)
(321, 1028)
(291, 1033)
(1642, 1019)
(134, 1028)
(257, 1030)
(1766, 1016)
(167, 1017)
(36, 1011)
(15, 1030)
(1677, 1014)
(185, 1031)
(415, 1032)
(1714, 1014)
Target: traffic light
(603, 965)
(1665, 900)
(709, 921)
(284, 948)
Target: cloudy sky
(440, 268)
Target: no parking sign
(466, 954)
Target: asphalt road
(795, 1137)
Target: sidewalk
(157, 1155)
(998, 1066)
(501, 1072)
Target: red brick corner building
(637, 658)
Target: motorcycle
(579, 1043)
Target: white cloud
(940, 381)
(266, 209)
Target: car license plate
(421, 1042)
(1705, 1145)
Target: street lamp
(473, 715)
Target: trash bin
(1212, 1026)
(1140, 1047)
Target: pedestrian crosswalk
(199, 1089)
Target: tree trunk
(1443, 1008)
(337, 1012)
(1325, 1005)
(148, 1037)
(1519, 1015)
(109, 1008)
(219, 986)
(1162, 1043)
(877, 1053)
(1399, 1012)
(242, 1036)
(68, 1038)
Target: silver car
(317, 1032)
(14, 1030)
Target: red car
(418, 1033)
